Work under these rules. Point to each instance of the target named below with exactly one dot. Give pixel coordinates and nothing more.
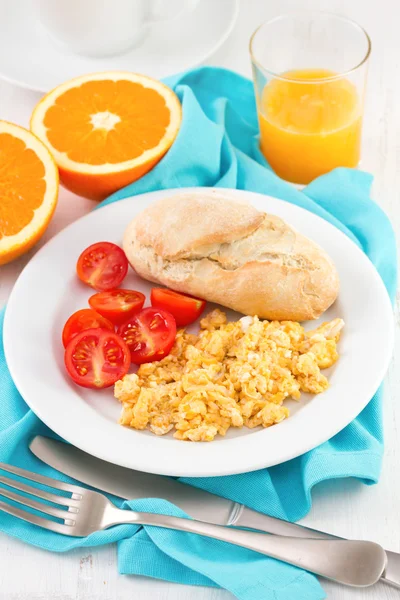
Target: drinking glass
(310, 71)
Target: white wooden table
(346, 508)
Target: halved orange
(28, 190)
(106, 130)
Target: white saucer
(29, 58)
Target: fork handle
(354, 563)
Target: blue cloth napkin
(218, 146)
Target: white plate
(29, 58)
(48, 291)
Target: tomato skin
(150, 335)
(185, 309)
(117, 305)
(102, 265)
(86, 318)
(96, 358)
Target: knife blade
(197, 503)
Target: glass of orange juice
(309, 72)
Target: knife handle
(246, 517)
(355, 563)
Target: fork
(83, 511)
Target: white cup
(105, 27)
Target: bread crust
(214, 247)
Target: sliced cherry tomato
(117, 305)
(81, 320)
(97, 358)
(184, 308)
(103, 266)
(150, 335)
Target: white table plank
(347, 508)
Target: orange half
(105, 130)
(28, 190)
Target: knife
(197, 503)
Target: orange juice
(308, 126)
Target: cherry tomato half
(117, 305)
(103, 266)
(97, 358)
(149, 335)
(81, 320)
(185, 309)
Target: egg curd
(232, 374)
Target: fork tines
(60, 508)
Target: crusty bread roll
(225, 251)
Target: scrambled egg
(229, 375)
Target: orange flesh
(107, 122)
(22, 184)
(309, 129)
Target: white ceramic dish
(28, 56)
(49, 289)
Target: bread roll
(214, 247)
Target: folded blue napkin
(218, 146)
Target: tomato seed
(139, 346)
